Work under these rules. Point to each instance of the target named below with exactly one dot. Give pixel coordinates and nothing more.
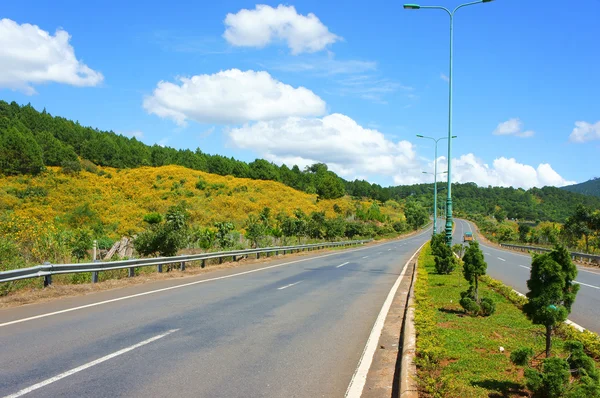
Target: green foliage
(19, 152)
(521, 356)
(164, 238)
(474, 266)
(551, 290)
(201, 184)
(256, 229)
(445, 264)
(153, 218)
(591, 187)
(80, 243)
(416, 214)
(223, 234)
(330, 186)
(469, 305)
(488, 306)
(70, 167)
(552, 381)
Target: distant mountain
(591, 187)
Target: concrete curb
(408, 369)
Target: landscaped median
(460, 355)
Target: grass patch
(459, 355)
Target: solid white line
(31, 318)
(585, 284)
(286, 286)
(341, 265)
(87, 365)
(501, 259)
(357, 384)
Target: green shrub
(521, 356)
(552, 381)
(153, 218)
(445, 265)
(469, 305)
(71, 167)
(488, 306)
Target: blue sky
(349, 86)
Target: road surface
(513, 269)
(294, 329)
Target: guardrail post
(95, 274)
(47, 278)
(257, 255)
(220, 260)
(182, 266)
(131, 273)
(159, 267)
(203, 263)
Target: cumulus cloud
(346, 147)
(354, 151)
(513, 127)
(231, 97)
(30, 55)
(265, 24)
(585, 131)
(503, 172)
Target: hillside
(591, 187)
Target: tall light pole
(434, 198)
(449, 197)
(435, 173)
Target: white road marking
(87, 365)
(389, 249)
(341, 265)
(501, 259)
(365, 256)
(524, 266)
(585, 284)
(357, 384)
(31, 318)
(487, 254)
(286, 286)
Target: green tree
(255, 230)
(19, 153)
(551, 290)
(330, 186)
(224, 234)
(416, 214)
(474, 266)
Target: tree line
(31, 140)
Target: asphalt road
(296, 329)
(513, 269)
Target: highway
(290, 327)
(513, 269)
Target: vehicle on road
(468, 237)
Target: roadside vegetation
(460, 353)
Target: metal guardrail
(583, 257)
(46, 270)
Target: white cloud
(444, 77)
(503, 172)
(265, 24)
(230, 97)
(327, 66)
(30, 55)
(346, 147)
(585, 131)
(513, 127)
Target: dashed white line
(585, 284)
(341, 265)
(87, 365)
(501, 259)
(524, 266)
(487, 254)
(389, 249)
(286, 286)
(366, 257)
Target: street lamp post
(435, 173)
(449, 197)
(434, 198)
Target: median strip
(88, 365)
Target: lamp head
(416, 6)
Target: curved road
(292, 327)
(513, 269)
